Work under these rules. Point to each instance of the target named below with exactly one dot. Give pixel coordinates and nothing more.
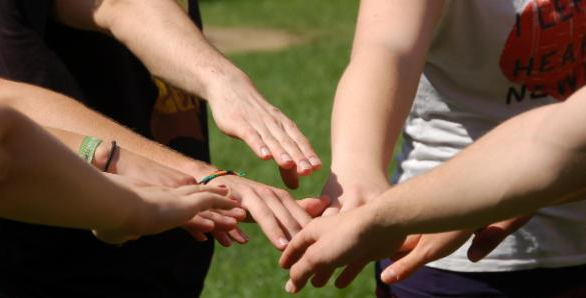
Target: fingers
(255, 142)
(285, 218)
(290, 177)
(238, 236)
(220, 221)
(302, 142)
(222, 238)
(487, 239)
(278, 137)
(296, 248)
(315, 206)
(321, 277)
(302, 270)
(198, 202)
(238, 214)
(331, 211)
(199, 223)
(404, 267)
(349, 274)
(266, 219)
(288, 146)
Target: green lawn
(301, 81)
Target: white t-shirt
(491, 60)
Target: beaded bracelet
(218, 173)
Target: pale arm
(274, 210)
(43, 182)
(162, 36)
(375, 94)
(534, 160)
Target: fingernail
(289, 287)
(389, 276)
(283, 242)
(305, 165)
(286, 158)
(264, 151)
(315, 161)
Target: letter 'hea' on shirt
(546, 49)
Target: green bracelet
(218, 173)
(88, 148)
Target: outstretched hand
(240, 111)
(277, 213)
(160, 208)
(348, 239)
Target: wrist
(102, 154)
(380, 219)
(351, 172)
(197, 169)
(219, 77)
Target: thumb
(403, 267)
(315, 206)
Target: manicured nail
(283, 242)
(286, 158)
(289, 287)
(389, 276)
(305, 165)
(264, 151)
(315, 161)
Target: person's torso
(489, 61)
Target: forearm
(534, 160)
(371, 104)
(50, 109)
(161, 35)
(378, 87)
(42, 182)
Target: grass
(301, 81)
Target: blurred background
(295, 51)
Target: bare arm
(375, 94)
(275, 210)
(534, 160)
(42, 182)
(51, 109)
(174, 49)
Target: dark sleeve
(24, 56)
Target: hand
(489, 237)
(216, 222)
(240, 111)
(347, 193)
(160, 209)
(276, 212)
(419, 250)
(347, 239)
